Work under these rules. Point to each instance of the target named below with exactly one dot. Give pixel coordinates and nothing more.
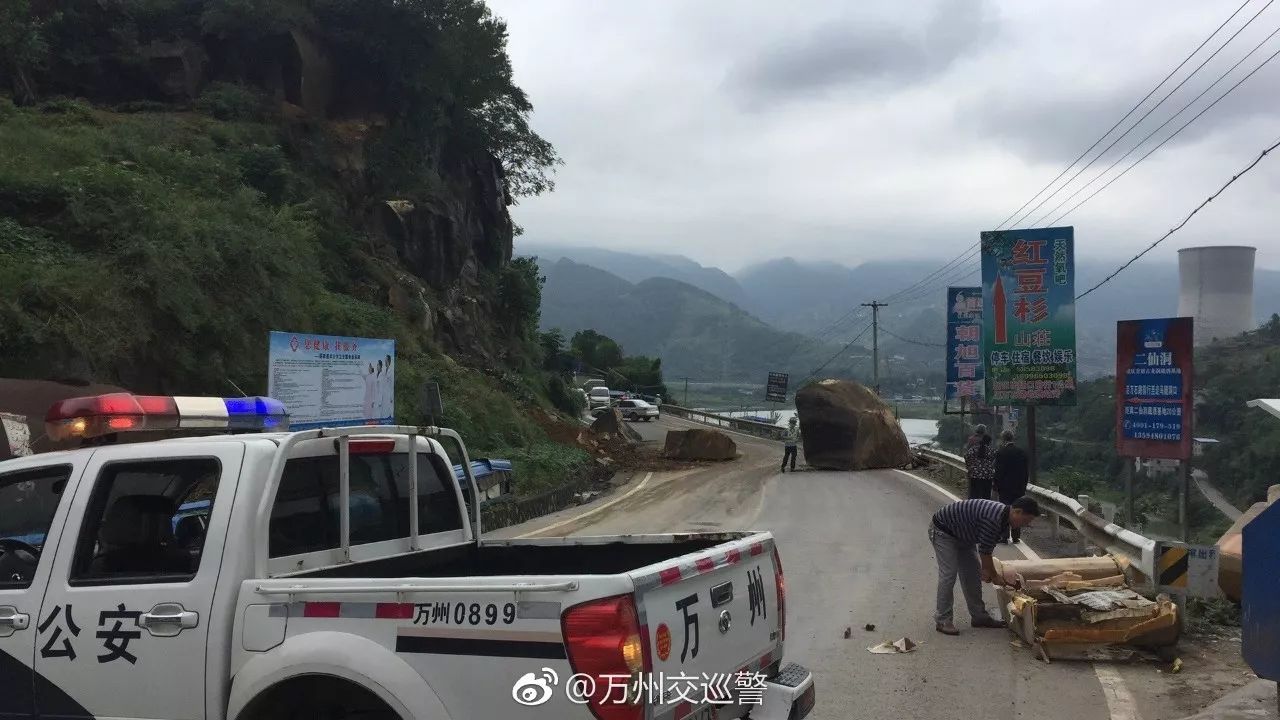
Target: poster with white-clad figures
(332, 380)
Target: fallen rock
(610, 424)
(845, 426)
(699, 444)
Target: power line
(946, 267)
(815, 337)
(1175, 132)
(1185, 220)
(1132, 110)
(921, 343)
(957, 273)
(838, 353)
(1153, 108)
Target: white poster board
(1202, 571)
(332, 380)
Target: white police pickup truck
(335, 574)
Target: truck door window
(305, 516)
(128, 535)
(28, 500)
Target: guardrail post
(1084, 501)
(1057, 521)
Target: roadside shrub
(228, 101)
(563, 397)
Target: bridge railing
(742, 425)
(1138, 552)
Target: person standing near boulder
(790, 443)
(979, 460)
(1011, 466)
(964, 535)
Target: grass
(155, 250)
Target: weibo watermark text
(746, 688)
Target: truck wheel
(318, 697)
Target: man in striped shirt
(964, 534)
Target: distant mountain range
(808, 298)
(697, 334)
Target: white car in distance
(636, 409)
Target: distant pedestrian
(979, 460)
(964, 534)
(1012, 466)
(790, 443)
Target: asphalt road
(855, 551)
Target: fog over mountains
(762, 307)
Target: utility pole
(686, 391)
(875, 341)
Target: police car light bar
(97, 415)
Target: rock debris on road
(856, 553)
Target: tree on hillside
(642, 374)
(23, 49)
(554, 357)
(595, 351)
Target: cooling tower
(1217, 290)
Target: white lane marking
(1120, 702)
(1026, 550)
(590, 512)
(931, 484)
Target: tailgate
(707, 616)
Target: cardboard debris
(1080, 609)
(897, 647)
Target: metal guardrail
(742, 425)
(506, 510)
(1138, 552)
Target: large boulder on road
(699, 444)
(611, 425)
(845, 426)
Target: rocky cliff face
(447, 237)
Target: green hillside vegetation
(1077, 444)
(152, 239)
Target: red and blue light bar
(97, 415)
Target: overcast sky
(737, 131)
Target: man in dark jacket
(1012, 465)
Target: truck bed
(568, 556)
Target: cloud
(859, 50)
(739, 131)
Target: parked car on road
(634, 409)
(598, 397)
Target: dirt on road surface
(855, 551)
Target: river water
(917, 431)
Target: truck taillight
(602, 639)
(782, 595)
(371, 447)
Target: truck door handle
(12, 621)
(721, 594)
(168, 619)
